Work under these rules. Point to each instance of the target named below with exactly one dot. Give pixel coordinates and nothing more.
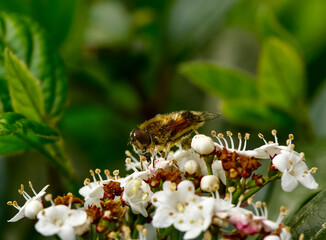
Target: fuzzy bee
(164, 131)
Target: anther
(231, 189)
(128, 161)
(250, 200)
(30, 184)
(213, 133)
(247, 135)
(229, 133)
(20, 192)
(107, 172)
(87, 181)
(48, 197)
(22, 187)
(283, 211)
(274, 132)
(313, 170)
(291, 137)
(97, 171)
(9, 203)
(220, 135)
(91, 172)
(258, 204)
(116, 172)
(128, 153)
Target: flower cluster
(203, 190)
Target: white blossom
(202, 144)
(32, 205)
(60, 220)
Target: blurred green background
(260, 63)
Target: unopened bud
(33, 208)
(209, 182)
(192, 167)
(202, 144)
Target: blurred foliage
(261, 64)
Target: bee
(164, 131)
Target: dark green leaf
(310, 219)
(221, 82)
(25, 92)
(11, 123)
(281, 75)
(318, 112)
(254, 114)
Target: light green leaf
(11, 123)
(281, 75)
(221, 82)
(310, 219)
(25, 92)
(28, 42)
(255, 114)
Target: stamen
(231, 140)
(246, 137)
(116, 173)
(31, 186)
(213, 133)
(302, 155)
(173, 186)
(92, 174)
(98, 171)
(128, 162)
(250, 201)
(107, 173)
(220, 135)
(274, 132)
(48, 197)
(261, 136)
(240, 200)
(15, 204)
(313, 170)
(87, 182)
(265, 209)
(240, 142)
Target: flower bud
(33, 208)
(208, 182)
(192, 167)
(202, 144)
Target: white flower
(93, 191)
(32, 205)
(294, 170)
(192, 167)
(182, 208)
(202, 144)
(60, 220)
(183, 156)
(137, 193)
(218, 170)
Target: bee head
(140, 140)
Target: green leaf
(221, 82)
(28, 42)
(25, 92)
(11, 123)
(281, 76)
(310, 219)
(255, 114)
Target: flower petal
(66, 233)
(289, 182)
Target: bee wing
(209, 115)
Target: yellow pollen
(247, 135)
(145, 196)
(106, 172)
(231, 189)
(189, 189)
(270, 142)
(258, 204)
(128, 160)
(43, 212)
(97, 171)
(48, 197)
(302, 154)
(87, 181)
(116, 172)
(192, 221)
(200, 207)
(143, 159)
(180, 207)
(180, 221)
(173, 186)
(216, 187)
(186, 203)
(220, 135)
(261, 136)
(171, 213)
(283, 211)
(291, 137)
(264, 204)
(313, 170)
(30, 184)
(305, 172)
(239, 135)
(274, 132)
(193, 199)
(91, 172)
(9, 203)
(154, 199)
(229, 133)
(213, 133)
(20, 191)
